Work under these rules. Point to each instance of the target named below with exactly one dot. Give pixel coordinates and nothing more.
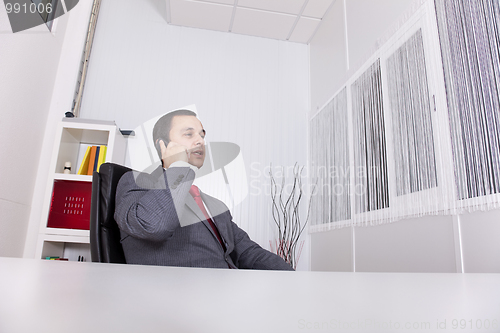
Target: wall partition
(417, 123)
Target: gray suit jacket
(161, 224)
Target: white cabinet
(73, 137)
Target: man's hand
(172, 153)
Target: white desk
(50, 296)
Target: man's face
(188, 132)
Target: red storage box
(70, 205)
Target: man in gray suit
(164, 220)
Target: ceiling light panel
(280, 6)
(198, 14)
(316, 8)
(304, 29)
(224, 2)
(262, 23)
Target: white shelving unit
(72, 138)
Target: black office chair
(105, 243)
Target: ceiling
(289, 20)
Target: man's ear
(157, 145)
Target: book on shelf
(56, 258)
(96, 160)
(85, 162)
(93, 152)
(92, 160)
(102, 156)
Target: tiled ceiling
(290, 20)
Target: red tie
(195, 192)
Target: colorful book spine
(90, 169)
(102, 156)
(96, 161)
(85, 163)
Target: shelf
(85, 123)
(67, 199)
(74, 143)
(64, 246)
(68, 250)
(68, 233)
(81, 178)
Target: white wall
(328, 57)
(344, 41)
(59, 100)
(28, 67)
(425, 244)
(480, 232)
(248, 90)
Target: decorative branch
(286, 216)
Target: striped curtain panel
(409, 157)
(370, 157)
(469, 33)
(408, 92)
(329, 154)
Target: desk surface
(50, 296)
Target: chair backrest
(105, 243)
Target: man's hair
(161, 130)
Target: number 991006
(25, 8)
